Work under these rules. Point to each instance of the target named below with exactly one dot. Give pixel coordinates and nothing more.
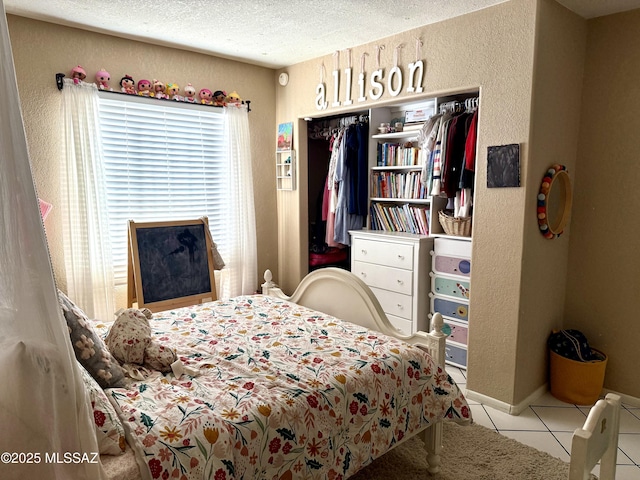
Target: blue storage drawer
(456, 355)
(450, 308)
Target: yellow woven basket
(460, 227)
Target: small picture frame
(285, 137)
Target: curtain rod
(60, 85)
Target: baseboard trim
(521, 407)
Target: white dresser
(450, 291)
(395, 266)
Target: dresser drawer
(455, 355)
(456, 310)
(402, 324)
(450, 286)
(393, 279)
(459, 332)
(394, 303)
(391, 254)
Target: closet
(412, 243)
(338, 180)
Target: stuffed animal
(103, 78)
(233, 99)
(144, 88)
(173, 92)
(129, 341)
(206, 96)
(78, 74)
(190, 94)
(219, 97)
(128, 85)
(158, 89)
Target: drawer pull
(400, 257)
(363, 251)
(400, 282)
(363, 274)
(400, 307)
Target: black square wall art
(503, 166)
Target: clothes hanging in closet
(447, 142)
(346, 196)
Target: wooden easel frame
(135, 292)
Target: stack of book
(405, 185)
(397, 155)
(400, 218)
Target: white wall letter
(395, 71)
(362, 96)
(321, 97)
(347, 97)
(336, 88)
(413, 67)
(375, 76)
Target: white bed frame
(343, 295)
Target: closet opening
(337, 186)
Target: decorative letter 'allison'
(321, 97)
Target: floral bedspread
(283, 392)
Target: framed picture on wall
(503, 166)
(285, 136)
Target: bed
(285, 391)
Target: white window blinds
(163, 161)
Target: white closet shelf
(403, 134)
(425, 201)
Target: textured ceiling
(272, 33)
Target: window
(163, 161)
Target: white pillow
(109, 428)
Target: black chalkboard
(171, 263)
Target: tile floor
(548, 424)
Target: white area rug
(470, 453)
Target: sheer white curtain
(43, 405)
(87, 250)
(242, 264)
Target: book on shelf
(400, 218)
(403, 185)
(397, 155)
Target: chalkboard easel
(170, 264)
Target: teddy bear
(129, 341)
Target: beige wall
(42, 49)
(492, 50)
(604, 267)
(555, 119)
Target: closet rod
(60, 85)
(468, 104)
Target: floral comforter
(283, 392)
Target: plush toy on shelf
(158, 90)
(206, 96)
(219, 97)
(78, 74)
(173, 92)
(233, 99)
(103, 78)
(144, 88)
(190, 94)
(128, 85)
